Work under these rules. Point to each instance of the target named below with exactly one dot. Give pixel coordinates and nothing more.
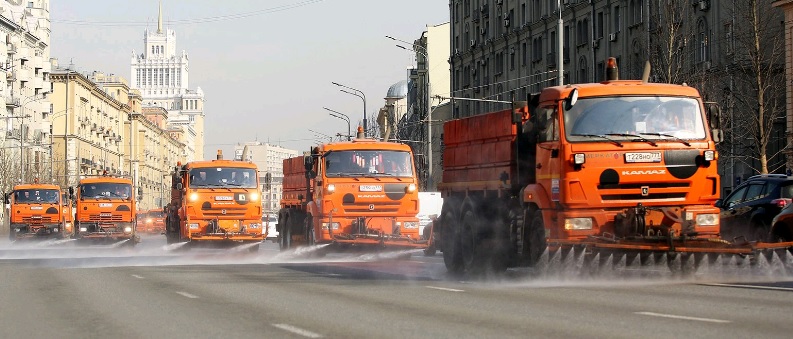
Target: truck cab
(37, 211)
(105, 209)
(216, 201)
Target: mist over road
(154, 290)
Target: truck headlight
(254, 196)
(193, 197)
(710, 155)
(335, 225)
(331, 188)
(149, 221)
(579, 159)
(127, 229)
(193, 226)
(55, 229)
(707, 219)
(578, 223)
(411, 188)
(68, 226)
(83, 229)
(411, 224)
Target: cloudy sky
(265, 67)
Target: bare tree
(757, 79)
(672, 31)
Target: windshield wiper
(639, 137)
(668, 136)
(598, 136)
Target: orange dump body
(151, 221)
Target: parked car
(270, 224)
(748, 211)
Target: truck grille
(379, 207)
(632, 191)
(37, 220)
(100, 218)
(231, 213)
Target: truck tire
(450, 241)
(285, 236)
(536, 239)
(308, 227)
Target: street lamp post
(344, 117)
(359, 94)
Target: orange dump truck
(357, 193)
(105, 210)
(215, 202)
(38, 211)
(617, 170)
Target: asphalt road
(59, 290)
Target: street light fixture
(344, 117)
(359, 94)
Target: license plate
(105, 214)
(105, 205)
(36, 207)
(643, 157)
(371, 188)
(224, 198)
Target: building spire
(159, 18)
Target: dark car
(747, 213)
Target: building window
(583, 72)
(617, 19)
(599, 25)
(703, 44)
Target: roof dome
(398, 90)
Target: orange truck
(215, 202)
(594, 172)
(105, 210)
(357, 193)
(151, 221)
(38, 211)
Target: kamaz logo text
(644, 172)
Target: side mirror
(718, 203)
(571, 99)
(179, 186)
(519, 110)
(308, 162)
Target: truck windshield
(107, 190)
(223, 177)
(635, 118)
(368, 162)
(36, 196)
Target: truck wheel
(536, 239)
(450, 241)
(470, 242)
(308, 226)
(285, 236)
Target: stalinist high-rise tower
(161, 75)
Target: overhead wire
(191, 21)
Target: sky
(266, 67)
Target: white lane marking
(444, 289)
(752, 286)
(137, 276)
(298, 330)
(709, 320)
(187, 295)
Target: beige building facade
(269, 159)
(24, 90)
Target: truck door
(548, 150)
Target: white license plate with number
(643, 157)
(36, 207)
(224, 198)
(371, 188)
(105, 205)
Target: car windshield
(634, 118)
(223, 177)
(107, 190)
(36, 196)
(367, 162)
